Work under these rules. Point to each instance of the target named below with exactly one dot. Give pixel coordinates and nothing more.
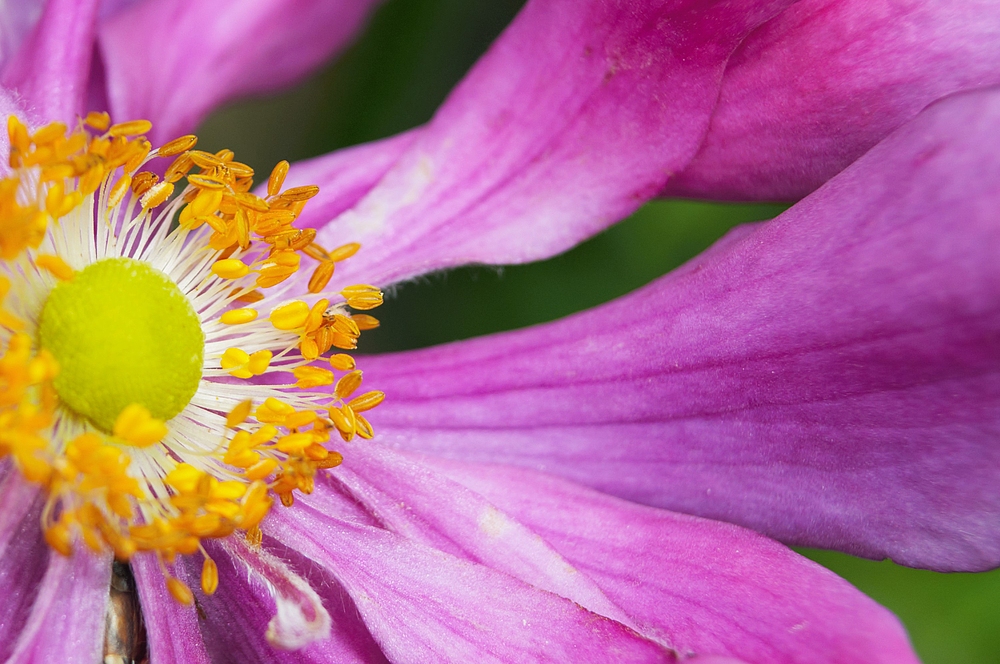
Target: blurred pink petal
(173, 61)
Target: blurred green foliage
(402, 67)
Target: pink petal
(66, 620)
(831, 378)
(17, 20)
(816, 87)
(346, 176)
(23, 554)
(52, 67)
(173, 61)
(578, 114)
(424, 605)
(420, 504)
(238, 615)
(706, 587)
(171, 629)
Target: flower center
(122, 332)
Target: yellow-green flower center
(122, 333)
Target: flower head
(123, 331)
(433, 541)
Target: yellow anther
(239, 414)
(273, 411)
(344, 419)
(366, 401)
(321, 277)
(364, 428)
(348, 384)
(55, 266)
(209, 576)
(259, 362)
(59, 538)
(179, 590)
(207, 181)
(290, 316)
(156, 195)
(365, 322)
(261, 469)
(277, 178)
(118, 191)
(143, 182)
(177, 146)
(18, 134)
(130, 128)
(241, 364)
(300, 419)
(49, 133)
(294, 443)
(342, 362)
(97, 120)
(362, 296)
(136, 426)
(342, 253)
(308, 377)
(238, 316)
(298, 194)
(230, 268)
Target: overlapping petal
(830, 378)
(703, 586)
(173, 61)
(576, 116)
(51, 69)
(817, 86)
(172, 632)
(64, 623)
(421, 604)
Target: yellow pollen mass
(123, 320)
(122, 333)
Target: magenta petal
(23, 554)
(423, 605)
(237, 617)
(51, 69)
(345, 176)
(577, 115)
(420, 504)
(831, 378)
(171, 628)
(173, 61)
(706, 587)
(812, 90)
(66, 622)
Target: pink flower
(828, 378)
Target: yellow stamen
(136, 426)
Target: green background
(395, 75)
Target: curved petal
(23, 554)
(423, 605)
(830, 378)
(238, 616)
(173, 61)
(52, 67)
(17, 20)
(816, 87)
(709, 588)
(172, 631)
(66, 621)
(420, 504)
(345, 176)
(576, 116)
